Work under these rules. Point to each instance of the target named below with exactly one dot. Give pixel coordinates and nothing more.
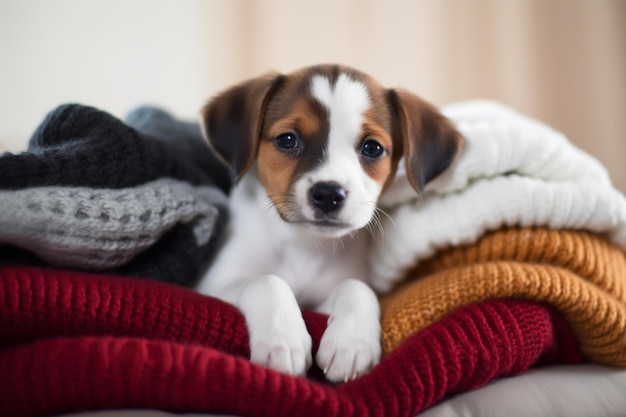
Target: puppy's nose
(327, 196)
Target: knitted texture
(104, 228)
(158, 124)
(580, 274)
(82, 146)
(513, 171)
(501, 141)
(75, 341)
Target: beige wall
(563, 61)
(113, 54)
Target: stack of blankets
(513, 259)
(143, 198)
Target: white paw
(279, 338)
(349, 349)
(284, 347)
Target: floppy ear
(429, 140)
(232, 121)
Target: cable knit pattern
(513, 171)
(580, 274)
(74, 342)
(104, 228)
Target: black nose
(327, 196)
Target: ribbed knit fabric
(75, 342)
(512, 172)
(580, 274)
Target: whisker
(381, 211)
(284, 199)
(318, 246)
(376, 223)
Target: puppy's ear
(232, 121)
(429, 140)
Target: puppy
(311, 152)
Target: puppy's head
(325, 142)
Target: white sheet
(561, 391)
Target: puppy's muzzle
(326, 198)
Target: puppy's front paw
(278, 336)
(283, 347)
(348, 349)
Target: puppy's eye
(372, 149)
(287, 140)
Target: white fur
(351, 344)
(268, 268)
(346, 102)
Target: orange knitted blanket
(581, 274)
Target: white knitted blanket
(512, 171)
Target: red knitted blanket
(73, 341)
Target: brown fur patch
(278, 169)
(301, 119)
(375, 126)
(275, 171)
(431, 142)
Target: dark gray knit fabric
(80, 152)
(82, 146)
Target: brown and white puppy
(312, 151)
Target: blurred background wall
(562, 61)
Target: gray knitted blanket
(100, 229)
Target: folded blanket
(95, 193)
(75, 341)
(82, 146)
(90, 228)
(513, 171)
(580, 274)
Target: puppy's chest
(314, 269)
